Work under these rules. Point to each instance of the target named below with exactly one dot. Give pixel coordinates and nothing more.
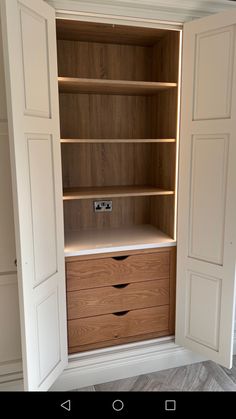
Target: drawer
(117, 270)
(104, 300)
(109, 327)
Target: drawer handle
(120, 257)
(120, 313)
(119, 286)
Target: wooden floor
(205, 376)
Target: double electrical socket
(102, 206)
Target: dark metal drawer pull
(120, 286)
(120, 257)
(120, 313)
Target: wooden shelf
(112, 191)
(133, 237)
(111, 87)
(115, 141)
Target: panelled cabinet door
(207, 189)
(31, 75)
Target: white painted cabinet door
(31, 74)
(207, 189)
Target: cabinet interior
(118, 93)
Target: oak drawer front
(104, 300)
(110, 327)
(112, 271)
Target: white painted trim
(109, 364)
(173, 10)
(114, 364)
(11, 376)
(121, 19)
(10, 367)
(15, 384)
(125, 361)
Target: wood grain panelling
(165, 58)
(103, 313)
(113, 254)
(118, 341)
(110, 326)
(162, 165)
(104, 61)
(105, 164)
(103, 58)
(158, 211)
(105, 32)
(163, 108)
(172, 295)
(105, 300)
(164, 122)
(120, 164)
(162, 211)
(109, 116)
(102, 272)
(104, 116)
(80, 215)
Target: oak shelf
(112, 191)
(111, 87)
(116, 140)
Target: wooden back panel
(151, 58)
(79, 215)
(104, 61)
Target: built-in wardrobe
(122, 156)
(118, 96)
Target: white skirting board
(123, 362)
(11, 382)
(115, 363)
(11, 376)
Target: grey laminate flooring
(204, 376)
